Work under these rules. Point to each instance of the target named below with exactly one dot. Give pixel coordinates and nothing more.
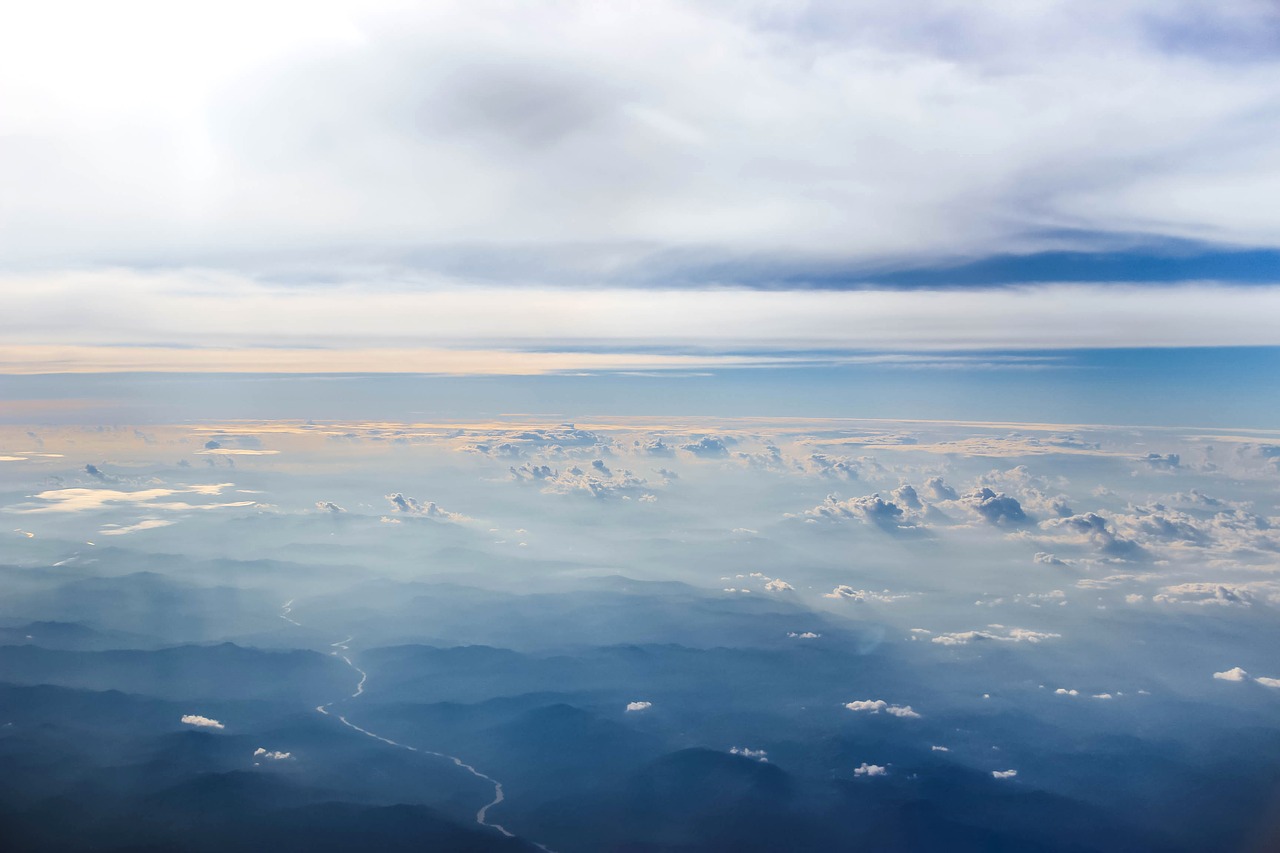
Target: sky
(867, 193)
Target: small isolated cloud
(1237, 673)
(869, 770)
(639, 706)
(940, 748)
(804, 635)
(262, 752)
(430, 509)
(1234, 674)
(201, 722)
(1003, 774)
(1063, 691)
(329, 506)
(757, 754)
(997, 633)
(1103, 696)
(146, 524)
(1044, 558)
(848, 593)
(875, 706)
(778, 585)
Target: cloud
(1162, 462)
(146, 524)
(708, 447)
(993, 633)
(1239, 675)
(996, 508)
(869, 509)
(875, 706)
(201, 722)
(430, 509)
(940, 749)
(937, 489)
(262, 752)
(848, 593)
(1221, 594)
(639, 706)
(803, 635)
(1003, 774)
(757, 754)
(866, 769)
(598, 480)
(1063, 691)
(778, 585)
(85, 500)
(329, 506)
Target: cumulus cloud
(778, 585)
(1238, 674)
(848, 593)
(201, 722)
(1003, 774)
(1063, 691)
(598, 480)
(866, 769)
(995, 507)
(996, 633)
(709, 447)
(639, 706)
(875, 706)
(757, 754)
(274, 755)
(869, 509)
(1168, 462)
(329, 506)
(803, 635)
(429, 509)
(1216, 594)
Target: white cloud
(866, 769)
(274, 755)
(804, 635)
(1233, 674)
(778, 585)
(1003, 774)
(201, 722)
(1009, 635)
(936, 748)
(848, 593)
(429, 509)
(146, 524)
(1063, 691)
(757, 754)
(1267, 682)
(639, 706)
(86, 500)
(875, 706)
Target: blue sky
(1066, 205)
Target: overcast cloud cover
(376, 187)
